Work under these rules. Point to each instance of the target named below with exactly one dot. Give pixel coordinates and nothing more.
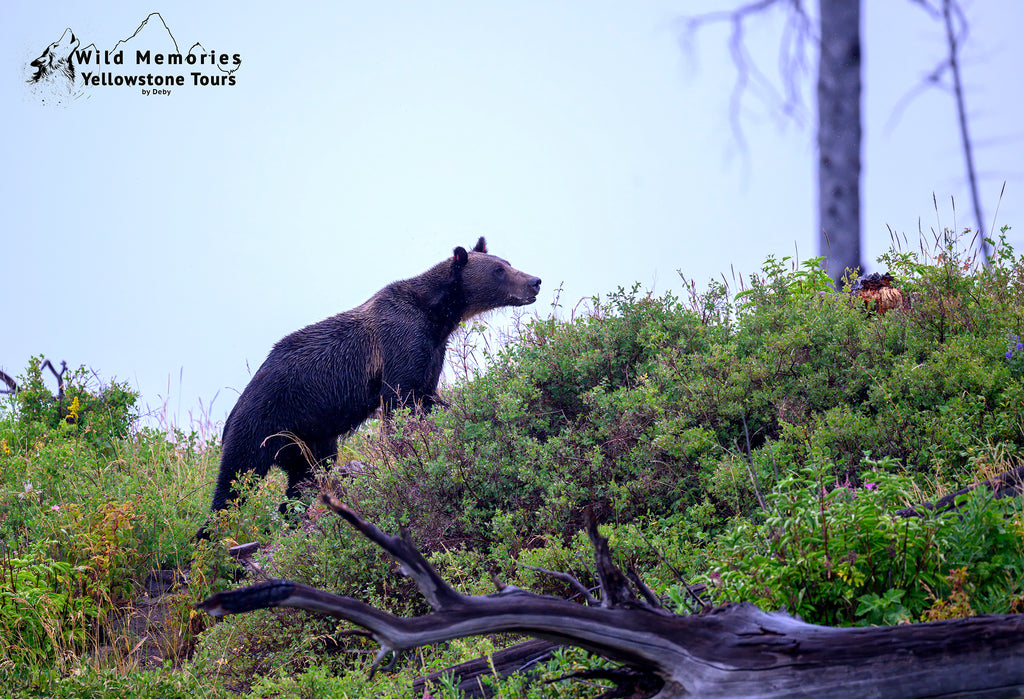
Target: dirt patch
(150, 631)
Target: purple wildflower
(1009, 354)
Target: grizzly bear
(324, 380)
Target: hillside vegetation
(757, 442)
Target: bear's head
(489, 282)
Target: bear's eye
(499, 272)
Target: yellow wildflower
(73, 411)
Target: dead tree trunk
(731, 651)
(839, 135)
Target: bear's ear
(460, 258)
(481, 245)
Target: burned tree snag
(12, 386)
(734, 650)
(47, 364)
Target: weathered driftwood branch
(735, 650)
(518, 658)
(12, 385)
(1005, 485)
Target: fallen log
(731, 651)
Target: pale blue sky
(170, 241)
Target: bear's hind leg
(299, 466)
(236, 459)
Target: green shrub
(837, 554)
(102, 417)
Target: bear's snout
(528, 290)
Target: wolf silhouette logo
(55, 62)
(54, 70)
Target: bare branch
(520, 657)
(571, 580)
(935, 12)
(12, 386)
(616, 589)
(436, 591)
(956, 33)
(646, 592)
(750, 464)
(47, 364)
(1008, 484)
(935, 77)
(697, 604)
(956, 30)
(797, 34)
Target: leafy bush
(102, 417)
(646, 405)
(838, 555)
(41, 617)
